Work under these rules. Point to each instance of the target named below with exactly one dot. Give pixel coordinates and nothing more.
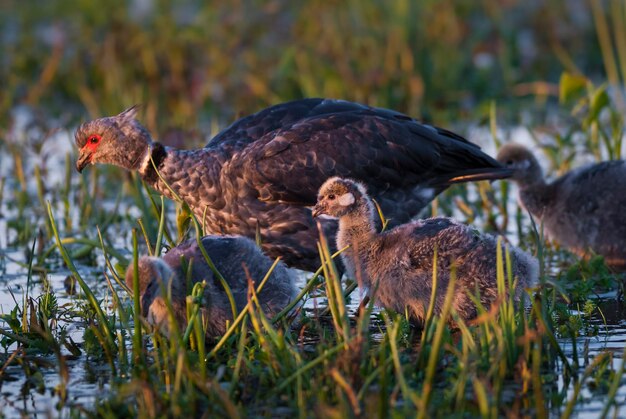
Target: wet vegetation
(72, 340)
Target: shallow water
(37, 396)
(612, 338)
(89, 379)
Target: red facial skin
(92, 144)
(87, 152)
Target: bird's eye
(93, 139)
(331, 196)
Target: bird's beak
(84, 159)
(318, 209)
(505, 173)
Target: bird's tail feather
(480, 174)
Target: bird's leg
(362, 306)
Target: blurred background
(202, 64)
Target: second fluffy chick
(236, 258)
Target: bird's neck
(151, 160)
(357, 231)
(356, 228)
(535, 197)
(188, 175)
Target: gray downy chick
(584, 210)
(398, 264)
(229, 254)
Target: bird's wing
(253, 127)
(385, 149)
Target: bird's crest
(129, 114)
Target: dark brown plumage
(264, 170)
(396, 266)
(584, 210)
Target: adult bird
(584, 210)
(262, 173)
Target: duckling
(232, 256)
(397, 265)
(584, 210)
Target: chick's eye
(331, 196)
(94, 139)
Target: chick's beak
(84, 158)
(318, 209)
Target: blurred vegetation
(190, 60)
